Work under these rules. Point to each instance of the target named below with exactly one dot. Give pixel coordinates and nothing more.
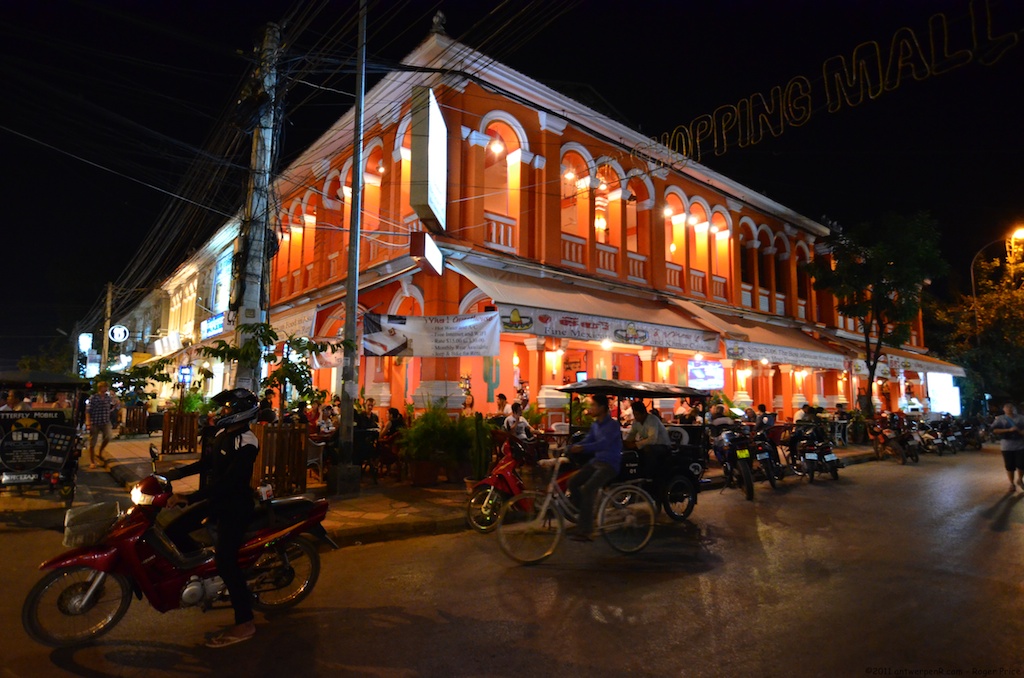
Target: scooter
(87, 590)
(890, 438)
(503, 481)
(732, 449)
(812, 452)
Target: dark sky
(138, 88)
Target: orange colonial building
(599, 258)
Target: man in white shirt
(648, 435)
(804, 413)
(517, 425)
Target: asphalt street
(888, 571)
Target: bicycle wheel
(525, 533)
(483, 507)
(626, 518)
(679, 498)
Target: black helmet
(242, 406)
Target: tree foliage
(876, 274)
(985, 334)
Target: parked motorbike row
(894, 436)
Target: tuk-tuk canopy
(633, 389)
(41, 381)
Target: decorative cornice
(475, 138)
(550, 123)
(733, 205)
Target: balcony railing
(801, 309)
(698, 283)
(500, 232)
(637, 266)
(673, 276)
(719, 288)
(574, 251)
(762, 300)
(747, 295)
(780, 304)
(607, 259)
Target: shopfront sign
(560, 324)
(294, 325)
(439, 336)
(428, 193)
(784, 355)
(218, 324)
(118, 333)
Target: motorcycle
(767, 456)
(811, 452)
(502, 483)
(890, 438)
(732, 449)
(87, 590)
(934, 440)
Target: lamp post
(1018, 234)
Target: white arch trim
(724, 213)
(407, 290)
(616, 167)
(697, 200)
(678, 192)
(581, 150)
(330, 202)
(801, 246)
(403, 127)
(511, 121)
(645, 179)
(472, 298)
(750, 225)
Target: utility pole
(251, 279)
(350, 365)
(104, 360)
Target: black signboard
(33, 439)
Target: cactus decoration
(492, 376)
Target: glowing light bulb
(570, 175)
(606, 344)
(497, 147)
(672, 248)
(667, 211)
(698, 357)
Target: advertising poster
(439, 336)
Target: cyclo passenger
(604, 441)
(649, 437)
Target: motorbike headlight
(140, 498)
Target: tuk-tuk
(676, 479)
(39, 440)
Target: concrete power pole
(251, 296)
(104, 359)
(350, 365)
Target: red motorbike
(88, 589)
(503, 481)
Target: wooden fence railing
(180, 433)
(282, 458)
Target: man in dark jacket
(225, 471)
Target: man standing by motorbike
(226, 470)
(604, 441)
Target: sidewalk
(390, 509)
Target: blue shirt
(604, 440)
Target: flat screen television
(581, 375)
(705, 374)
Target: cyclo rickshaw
(674, 480)
(40, 445)
(530, 525)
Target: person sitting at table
(764, 418)
(387, 442)
(648, 435)
(326, 421)
(720, 418)
(841, 413)
(517, 425)
(504, 408)
(467, 406)
(749, 415)
(370, 407)
(803, 415)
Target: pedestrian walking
(1009, 427)
(101, 405)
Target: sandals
(228, 638)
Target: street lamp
(1015, 236)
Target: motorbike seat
(277, 511)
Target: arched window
(607, 207)
(575, 192)
(697, 248)
(501, 171)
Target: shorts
(94, 432)
(1013, 460)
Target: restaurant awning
(918, 362)
(550, 306)
(778, 344)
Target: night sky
(108, 107)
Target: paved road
(890, 568)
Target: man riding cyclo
(604, 441)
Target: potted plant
(857, 429)
(481, 449)
(434, 439)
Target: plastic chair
(315, 457)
